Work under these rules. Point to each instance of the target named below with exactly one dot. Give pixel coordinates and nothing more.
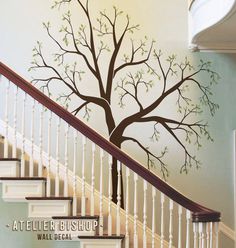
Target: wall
(21, 27)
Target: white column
(216, 234)
(74, 173)
(31, 162)
(101, 194)
(153, 215)
(118, 204)
(22, 168)
(40, 164)
(144, 214)
(135, 211)
(171, 206)
(49, 154)
(162, 219)
(109, 195)
(195, 235)
(127, 209)
(211, 235)
(188, 217)
(66, 183)
(200, 231)
(14, 145)
(83, 198)
(92, 200)
(207, 235)
(180, 211)
(57, 177)
(6, 121)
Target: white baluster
(216, 234)
(49, 154)
(14, 145)
(200, 231)
(162, 219)
(171, 206)
(6, 121)
(22, 168)
(101, 194)
(57, 177)
(207, 235)
(66, 179)
(153, 216)
(203, 235)
(118, 204)
(31, 162)
(40, 163)
(211, 235)
(144, 214)
(180, 211)
(110, 196)
(127, 209)
(83, 198)
(188, 217)
(92, 181)
(74, 173)
(195, 235)
(135, 211)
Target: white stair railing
(162, 213)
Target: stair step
(9, 159)
(23, 179)
(46, 207)
(112, 241)
(16, 189)
(51, 198)
(9, 167)
(104, 236)
(85, 225)
(95, 217)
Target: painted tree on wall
(115, 62)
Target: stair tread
(76, 217)
(9, 159)
(49, 198)
(24, 178)
(104, 236)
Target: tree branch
(150, 162)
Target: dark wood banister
(199, 213)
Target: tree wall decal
(131, 74)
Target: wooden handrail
(199, 213)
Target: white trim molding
(234, 152)
(212, 25)
(227, 231)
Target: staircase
(63, 170)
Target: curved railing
(190, 4)
(210, 22)
(199, 213)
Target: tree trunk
(117, 142)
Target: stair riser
(16, 191)
(9, 168)
(100, 243)
(47, 208)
